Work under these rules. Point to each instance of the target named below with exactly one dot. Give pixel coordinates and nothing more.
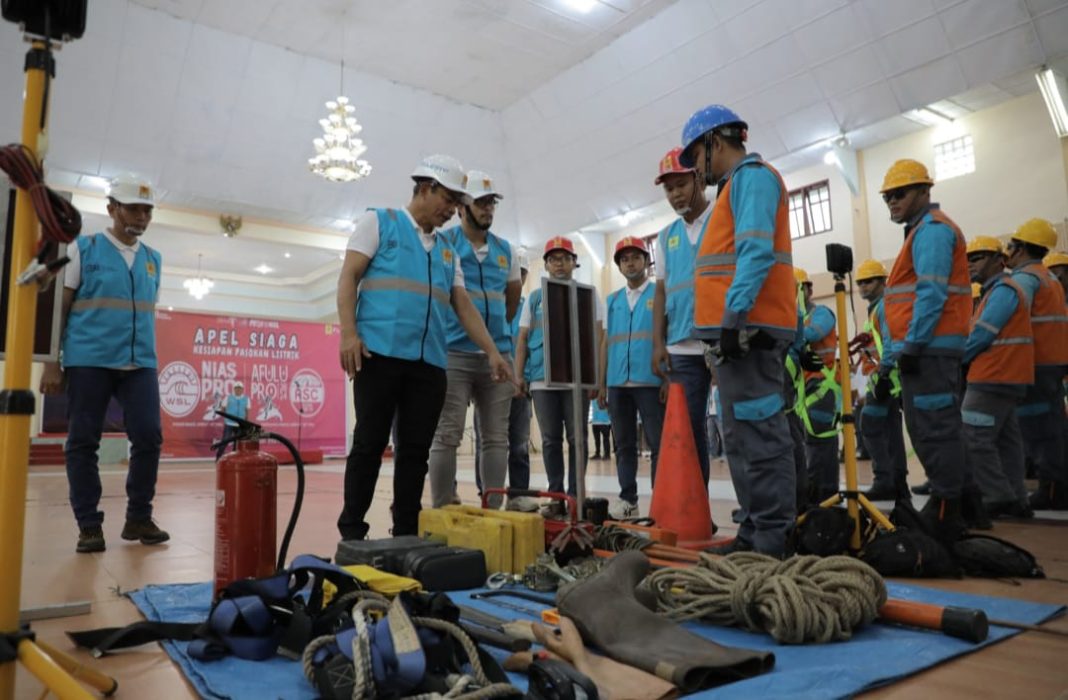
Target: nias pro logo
(179, 389)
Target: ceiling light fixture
(287, 255)
(582, 6)
(928, 116)
(263, 268)
(1054, 91)
(199, 286)
(628, 216)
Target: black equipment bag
(824, 532)
(385, 554)
(990, 557)
(446, 568)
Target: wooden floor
(1032, 665)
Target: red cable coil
(60, 220)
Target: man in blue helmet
(745, 308)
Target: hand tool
(494, 638)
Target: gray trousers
(885, 439)
(1042, 424)
(469, 377)
(821, 453)
(993, 445)
(759, 448)
(930, 399)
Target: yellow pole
(18, 403)
(848, 428)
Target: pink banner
(290, 371)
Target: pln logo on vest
(447, 256)
(502, 261)
(150, 268)
(179, 389)
(673, 242)
(649, 304)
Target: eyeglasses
(894, 195)
(558, 258)
(453, 198)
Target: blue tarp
(875, 656)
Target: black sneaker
(90, 539)
(144, 530)
(1050, 495)
(881, 492)
(923, 489)
(736, 545)
(1009, 509)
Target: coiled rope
(802, 600)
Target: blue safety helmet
(701, 122)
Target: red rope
(60, 221)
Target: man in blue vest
(519, 413)
(108, 326)
(492, 280)
(552, 406)
(677, 355)
(236, 404)
(398, 283)
(628, 386)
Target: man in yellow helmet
(880, 424)
(1000, 364)
(1057, 263)
(928, 305)
(1041, 412)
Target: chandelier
(199, 286)
(338, 150)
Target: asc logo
(307, 392)
(179, 389)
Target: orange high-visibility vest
(776, 303)
(1049, 323)
(1010, 359)
(900, 295)
(826, 347)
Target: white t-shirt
(693, 232)
(364, 240)
(634, 294)
(73, 270)
(514, 273)
(524, 322)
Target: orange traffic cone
(680, 497)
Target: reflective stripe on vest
(534, 370)
(630, 339)
(873, 326)
(485, 283)
(678, 287)
(1049, 323)
(1010, 359)
(899, 298)
(775, 305)
(112, 320)
(404, 296)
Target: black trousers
(602, 434)
(414, 392)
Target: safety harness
(806, 400)
(895, 375)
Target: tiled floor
(1031, 665)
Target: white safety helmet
(480, 184)
(131, 188)
(445, 170)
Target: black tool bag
(385, 554)
(909, 550)
(824, 532)
(990, 557)
(446, 568)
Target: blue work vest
(236, 406)
(678, 286)
(534, 370)
(112, 321)
(485, 283)
(630, 339)
(404, 300)
(515, 321)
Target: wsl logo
(179, 389)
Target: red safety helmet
(670, 164)
(558, 243)
(630, 242)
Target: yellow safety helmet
(1055, 259)
(977, 290)
(1037, 232)
(870, 269)
(801, 276)
(984, 244)
(904, 173)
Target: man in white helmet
(399, 284)
(108, 327)
(492, 280)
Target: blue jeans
(624, 405)
(555, 418)
(89, 389)
(696, 380)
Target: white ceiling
(218, 100)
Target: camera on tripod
(839, 259)
(59, 20)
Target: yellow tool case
(528, 533)
(491, 535)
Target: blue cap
(701, 122)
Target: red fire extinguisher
(246, 508)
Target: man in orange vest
(1000, 358)
(928, 306)
(745, 306)
(1041, 411)
(820, 407)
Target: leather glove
(761, 341)
(730, 344)
(810, 361)
(908, 364)
(881, 389)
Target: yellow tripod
(55, 669)
(854, 499)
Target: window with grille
(650, 243)
(810, 210)
(955, 157)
